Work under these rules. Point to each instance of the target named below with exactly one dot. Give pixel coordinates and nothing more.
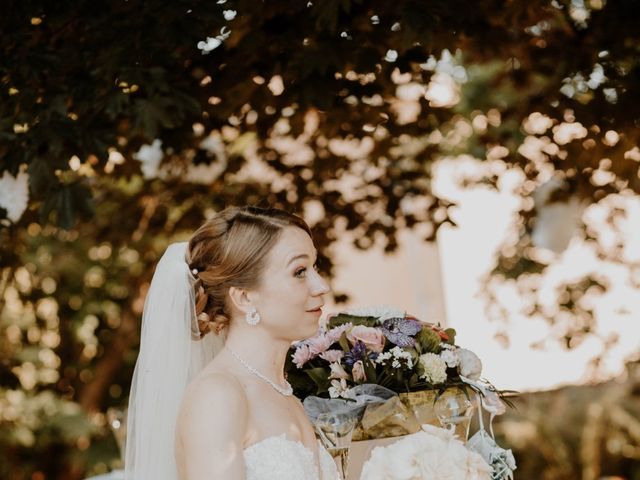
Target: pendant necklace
(287, 391)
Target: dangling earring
(252, 317)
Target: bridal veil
(172, 352)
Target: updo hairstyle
(230, 250)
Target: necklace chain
(287, 391)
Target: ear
(240, 299)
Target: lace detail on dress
(278, 458)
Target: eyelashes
(302, 272)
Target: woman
(247, 275)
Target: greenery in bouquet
(382, 346)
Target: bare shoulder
(215, 394)
(211, 428)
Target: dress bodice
(278, 458)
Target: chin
(310, 330)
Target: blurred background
(477, 167)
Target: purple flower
(358, 352)
(400, 331)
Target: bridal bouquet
(381, 346)
(392, 376)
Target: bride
(243, 288)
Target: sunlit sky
(412, 279)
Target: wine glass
(335, 431)
(454, 411)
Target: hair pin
(194, 271)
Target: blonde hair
(230, 250)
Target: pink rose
(302, 355)
(372, 338)
(332, 356)
(358, 372)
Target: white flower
(381, 312)
(150, 157)
(450, 357)
(391, 56)
(229, 14)
(210, 44)
(435, 370)
(470, 364)
(397, 356)
(14, 194)
(338, 372)
(214, 42)
(339, 388)
(358, 372)
(433, 453)
(509, 459)
(492, 403)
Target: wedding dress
(278, 458)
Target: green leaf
(370, 370)
(320, 377)
(343, 318)
(344, 343)
(428, 340)
(451, 333)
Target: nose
(319, 286)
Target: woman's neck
(262, 352)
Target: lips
(317, 310)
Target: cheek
(286, 294)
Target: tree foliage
(329, 108)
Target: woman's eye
(300, 273)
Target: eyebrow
(292, 259)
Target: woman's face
(289, 298)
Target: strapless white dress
(278, 458)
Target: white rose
(401, 461)
(429, 454)
(470, 364)
(437, 432)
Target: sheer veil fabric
(171, 354)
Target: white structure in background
(409, 279)
(423, 262)
(557, 222)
